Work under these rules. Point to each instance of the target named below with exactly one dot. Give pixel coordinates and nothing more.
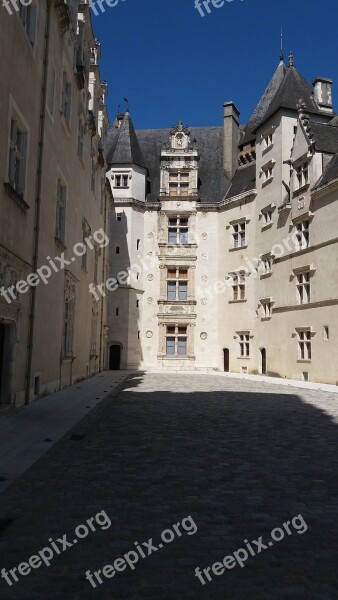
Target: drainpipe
(38, 199)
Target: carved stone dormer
(179, 164)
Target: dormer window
(179, 183)
(121, 180)
(267, 141)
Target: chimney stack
(231, 139)
(322, 93)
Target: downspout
(38, 200)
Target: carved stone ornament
(204, 301)
(150, 277)
(203, 335)
(149, 334)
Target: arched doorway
(115, 357)
(263, 365)
(226, 360)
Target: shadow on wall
(124, 345)
(241, 464)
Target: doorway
(226, 360)
(115, 358)
(263, 356)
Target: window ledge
(304, 360)
(176, 302)
(267, 149)
(300, 190)
(265, 183)
(266, 318)
(267, 226)
(233, 249)
(243, 357)
(266, 275)
(13, 194)
(237, 301)
(60, 243)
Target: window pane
(183, 236)
(182, 346)
(172, 236)
(171, 290)
(171, 346)
(182, 290)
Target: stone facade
(52, 196)
(239, 275)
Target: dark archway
(226, 360)
(115, 358)
(263, 366)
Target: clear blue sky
(170, 62)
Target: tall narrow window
(80, 136)
(178, 231)
(302, 174)
(238, 286)
(68, 330)
(303, 234)
(51, 90)
(238, 235)
(244, 344)
(93, 337)
(60, 223)
(304, 344)
(66, 98)
(27, 15)
(177, 284)
(303, 287)
(17, 157)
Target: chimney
(322, 93)
(231, 139)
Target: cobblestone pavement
(240, 458)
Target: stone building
(224, 252)
(53, 120)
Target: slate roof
(330, 173)
(244, 180)
(212, 182)
(285, 90)
(124, 148)
(325, 136)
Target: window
(66, 98)
(178, 231)
(238, 235)
(27, 16)
(93, 175)
(303, 287)
(304, 344)
(244, 344)
(93, 337)
(267, 173)
(80, 136)
(117, 312)
(138, 244)
(267, 216)
(117, 249)
(326, 333)
(177, 284)
(122, 180)
(60, 211)
(266, 265)
(238, 286)
(17, 156)
(176, 340)
(303, 234)
(68, 330)
(86, 232)
(179, 183)
(266, 308)
(137, 303)
(51, 90)
(119, 217)
(96, 263)
(267, 140)
(302, 175)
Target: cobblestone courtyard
(241, 458)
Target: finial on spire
(291, 60)
(281, 56)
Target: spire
(281, 56)
(291, 59)
(126, 148)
